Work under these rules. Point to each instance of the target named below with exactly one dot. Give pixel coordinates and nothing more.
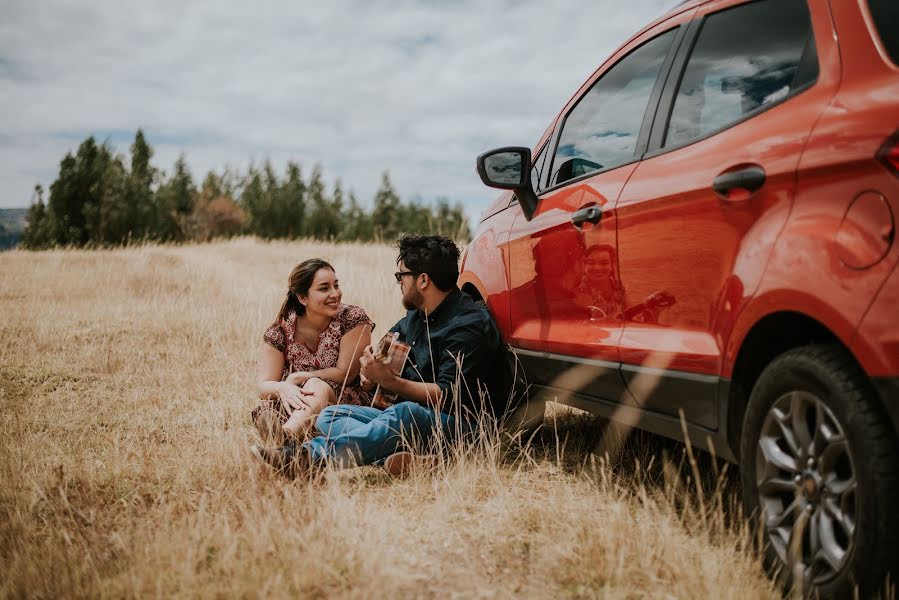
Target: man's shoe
(287, 460)
(403, 464)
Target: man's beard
(413, 299)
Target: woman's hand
(298, 378)
(292, 397)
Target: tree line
(101, 199)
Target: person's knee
(326, 417)
(410, 411)
(335, 410)
(320, 389)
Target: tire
(820, 474)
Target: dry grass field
(126, 381)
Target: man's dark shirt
(464, 345)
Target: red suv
(706, 231)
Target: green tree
(139, 212)
(253, 202)
(80, 196)
(416, 217)
(338, 218)
(356, 223)
(386, 214)
(451, 221)
(175, 200)
(322, 222)
(291, 214)
(36, 234)
(106, 215)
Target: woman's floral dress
(298, 356)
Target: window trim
(514, 199)
(666, 104)
(545, 146)
(648, 115)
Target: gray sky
(416, 87)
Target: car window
(745, 59)
(885, 14)
(601, 131)
(537, 169)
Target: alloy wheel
(807, 486)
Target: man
(454, 348)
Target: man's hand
(374, 370)
(364, 382)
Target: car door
(565, 290)
(698, 218)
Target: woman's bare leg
(300, 420)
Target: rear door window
(885, 14)
(601, 131)
(745, 59)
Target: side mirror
(509, 168)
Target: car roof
(680, 7)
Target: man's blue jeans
(361, 435)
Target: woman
(601, 289)
(310, 354)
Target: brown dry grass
(125, 387)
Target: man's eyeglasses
(400, 274)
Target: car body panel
(807, 272)
(708, 253)
(785, 248)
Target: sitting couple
(317, 370)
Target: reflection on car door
(690, 255)
(567, 298)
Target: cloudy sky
(416, 87)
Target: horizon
(393, 83)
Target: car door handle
(750, 179)
(590, 214)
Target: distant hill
(12, 224)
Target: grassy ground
(125, 387)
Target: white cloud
(419, 88)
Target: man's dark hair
(435, 255)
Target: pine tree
(416, 217)
(451, 221)
(337, 216)
(35, 234)
(139, 210)
(174, 201)
(74, 199)
(386, 208)
(252, 200)
(292, 205)
(356, 223)
(321, 222)
(109, 180)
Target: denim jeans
(361, 435)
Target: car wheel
(819, 474)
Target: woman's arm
(268, 380)
(352, 344)
(268, 371)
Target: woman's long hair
(298, 283)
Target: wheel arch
(768, 338)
